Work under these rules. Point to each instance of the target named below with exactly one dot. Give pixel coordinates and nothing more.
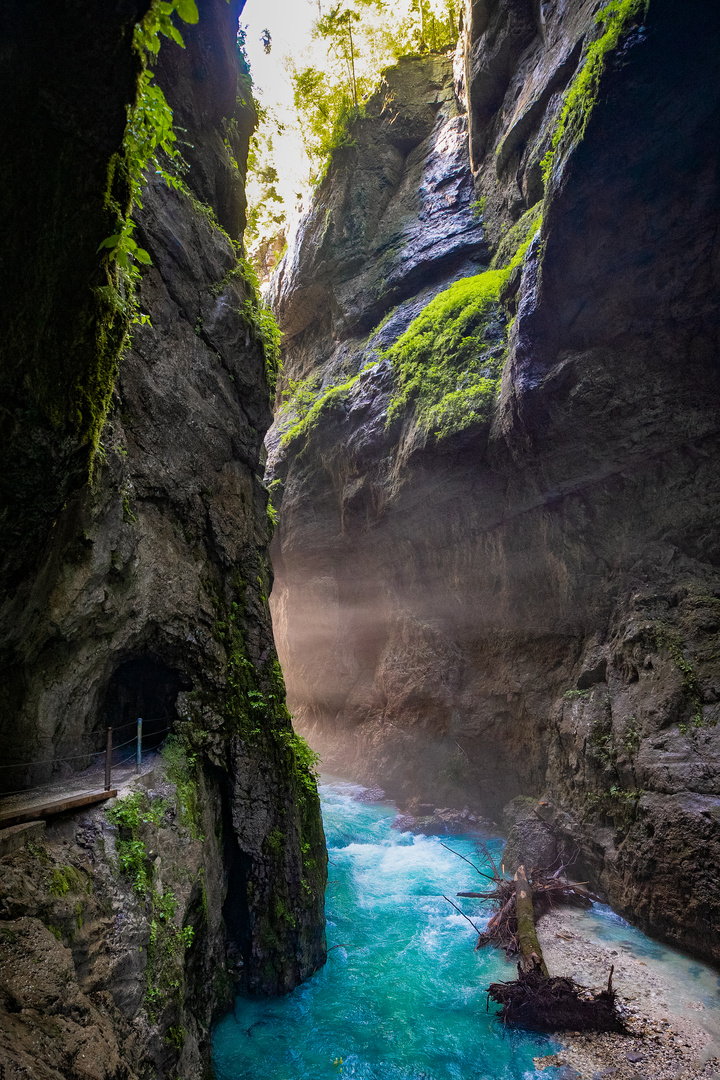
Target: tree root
(536, 1000)
(539, 1003)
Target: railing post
(108, 759)
(139, 745)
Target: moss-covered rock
(158, 565)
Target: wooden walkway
(71, 793)
(48, 807)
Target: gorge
(474, 604)
(489, 508)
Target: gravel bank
(672, 1033)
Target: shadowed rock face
(149, 598)
(534, 609)
(59, 334)
(393, 216)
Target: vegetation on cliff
(446, 366)
(149, 132)
(348, 47)
(138, 818)
(448, 363)
(244, 728)
(362, 38)
(305, 405)
(618, 18)
(69, 191)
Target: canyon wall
(476, 603)
(136, 573)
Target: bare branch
(468, 862)
(463, 915)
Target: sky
(290, 25)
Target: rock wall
(143, 590)
(91, 987)
(527, 605)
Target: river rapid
(402, 996)
(403, 993)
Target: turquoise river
(403, 993)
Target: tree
(362, 38)
(336, 29)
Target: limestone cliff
(476, 601)
(139, 586)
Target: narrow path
(89, 780)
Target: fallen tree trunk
(546, 892)
(536, 1000)
(531, 956)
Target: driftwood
(547, 892)
(535, 1000)
(531, 957)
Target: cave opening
(144, 688)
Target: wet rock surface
(394, 214)
(430, 820)
(150, 599)
(531, 842)
(534, 611)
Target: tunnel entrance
(145, 688)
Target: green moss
(64, 880)
(448, 363)
(176, 1037)
(312, 409)
(276, 841)
(618, 18)
(631, 739)
(670, 639)
(618, 804)
(281, 912)
(298, 397)
(204, 895)
(182, 770)
(602, 745)
(165, 966)
(305, 759)
(168, 942)
(130, 814)
(265, 330)
(38, 852)
(520, 234)
(249, 712)
(128, 515)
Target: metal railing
(110, 749)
